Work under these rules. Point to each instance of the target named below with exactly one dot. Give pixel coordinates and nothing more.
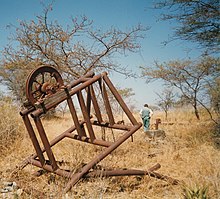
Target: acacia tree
(126, 94)
(198, 21)
(214, 92)
(166, 100)
(74, 50)
(190, 78)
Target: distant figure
(146, 114)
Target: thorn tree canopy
(191, 78)
(198, 19)
(74, 50)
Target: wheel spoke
(33, 92)
(37, 82)
(41, 82)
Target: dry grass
(11, 128)
(187, 154)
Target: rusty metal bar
(52, 143)
(73, 91)
(124, 172)
(114, 126)
(67, 134)
(119, 99)
(53, 94)
(79, 130)
(85, 79)
(149, 172)
(164, 177)
(45, 142)
(49, 168)
(88, 140)
(75, 118)
(88, 100)
(107, 105)
(95, 105)
(76, 177)
(33, 139)
(85, 115)
(27, 111)
(82, 79)
(83, 130)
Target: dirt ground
(187, 153)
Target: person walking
(146, 114)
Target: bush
(11, 126)
(216, 135)
(195, 193)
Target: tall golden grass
(11, 128)
(187, 154)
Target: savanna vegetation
(190, 107)
(189, 153)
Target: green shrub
(195, 193)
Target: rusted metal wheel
(42, 82)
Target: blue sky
(122, 14)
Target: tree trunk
(166, 115)
(196, 112)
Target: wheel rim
(42, 82)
